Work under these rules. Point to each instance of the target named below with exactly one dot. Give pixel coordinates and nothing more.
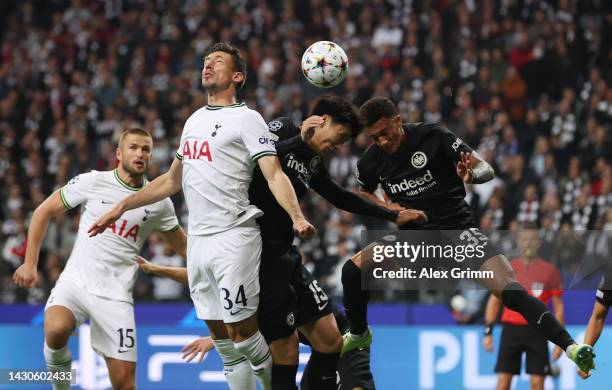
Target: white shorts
(113, 329)
(223, 273)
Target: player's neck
(135, 181)
(222, 98)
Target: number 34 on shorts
(236, 302)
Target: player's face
(134, 153)
(387, 133)
(218, 73)
(330, 137)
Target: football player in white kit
(100, 273)
(220, 145)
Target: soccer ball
(324, 64)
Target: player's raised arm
(283, 191)
(596, 323)
(353, 203)
(162, 187)
(474, 170)
(26, 274)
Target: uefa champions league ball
(324, 64)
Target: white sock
(236, 367)
(256, 350)
(58, 360)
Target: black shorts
(289, 295)
(354, 370)
(515, 340)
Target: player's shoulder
(283, 127)
(245, 111)
(89, 177)
(197, 113)
(370, 163)
(421, 130)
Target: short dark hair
(133, 130)
(239, 64)
(376, 108)
(340, 110)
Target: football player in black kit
(424, 166)
(290, 297)
(603, 301)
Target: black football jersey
(422, 175)
(303, 167)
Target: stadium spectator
(528, 83)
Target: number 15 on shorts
(234, 303)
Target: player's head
(382, 123)
(224, 68)
(528, 241)
(134, 150)
(341, 123)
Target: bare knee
(503, 381)
(242, 330)
(59, 324)
(285, 351)
(331, 343)
(217, 330)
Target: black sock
(516, 298)
(283, 376)
(355, 299)
(320, 372)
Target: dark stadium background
(526, 83)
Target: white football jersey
(219, 148)
(104, 265)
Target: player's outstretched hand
(25, 276)
(410, 215)
(145, 265)
(464, 167)
(199, 346)
(309, 124)
(105, 221)
(304, 229)
(487, 343)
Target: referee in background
(542, 280)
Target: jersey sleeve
(366, 176)
(78, 189)
(168, 221)
(256, 137)
(347, 200)
(451, 145)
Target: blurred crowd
(526, 83)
